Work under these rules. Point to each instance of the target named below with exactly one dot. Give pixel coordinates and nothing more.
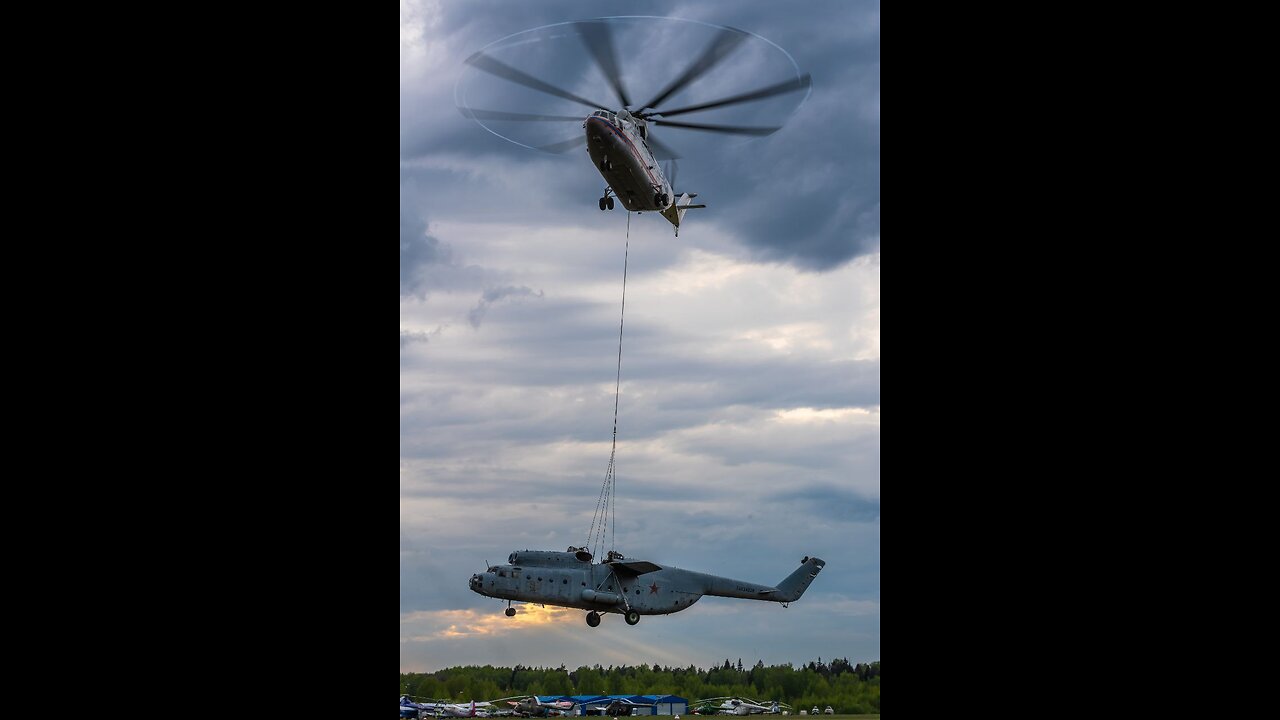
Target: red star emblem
(653, 588)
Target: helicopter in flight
(618, 138)
(628, 587)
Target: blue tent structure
(656, 704)
(667, 704)
(642, 699)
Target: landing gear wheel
(593, 618)
(657, 199)
(511, 612)
(604, 202)
(664, 199)
(609, 202)
(633, 617)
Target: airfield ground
(794, 716)
(829, 717)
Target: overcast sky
(749, 419)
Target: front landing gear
(633, 617)
(511, 612)
(593, 618)
(606, 202)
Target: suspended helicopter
(618, 138)
(628, 587)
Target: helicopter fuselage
(629, 587)
(617, 147)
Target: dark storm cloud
(808, 195)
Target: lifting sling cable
(606, 514)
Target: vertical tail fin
(675, 213)
(793, 587)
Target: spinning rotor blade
(478, 114)
(661, 150)
(565, 146)
(599, 40)
(480, 61)
(727, 129)
(799, 83)
(721, 45)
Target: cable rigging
(605, 518)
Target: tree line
(847, 687)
